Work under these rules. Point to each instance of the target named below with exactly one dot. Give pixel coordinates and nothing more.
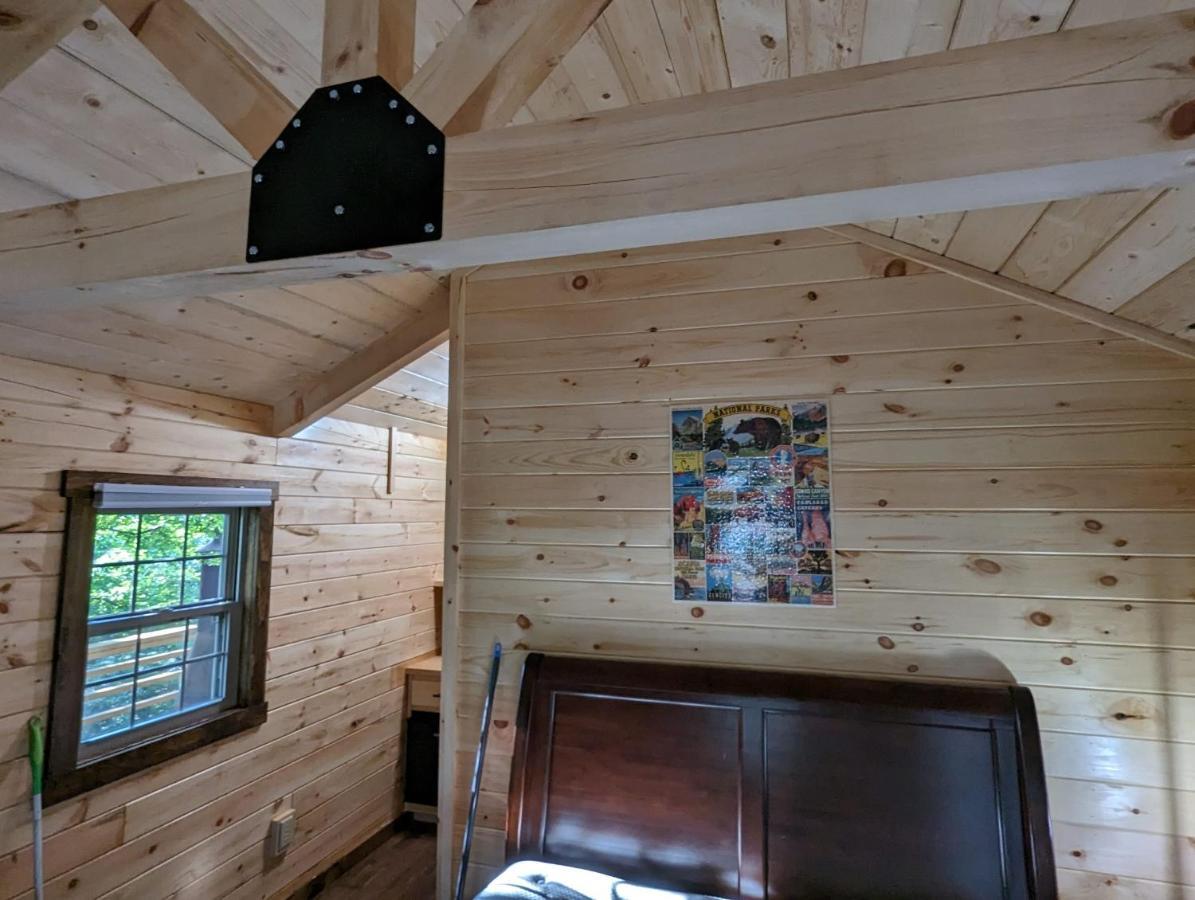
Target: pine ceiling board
(556, 98)
(416, 387)
(244, 384)
(56, 160)
(1154, 244)
(1100, 12)
(388, 401)
(153, 334)
(824, 34)
(1069, 233)
(352, 412)
(592, 73)
(985, 22)
(291, 67)
(988, 21)
(430, 366)
(928, 232)
(20, 193)
(306, 315)
(1167, 305)
(358, 299)
(631, 34)
(988, 237)
(69, 95)
(207, 318)
(755, 36)
(111, 49)
(693, 36)
(894, 29)
(302, 19)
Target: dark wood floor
(403, 867)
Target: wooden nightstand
(421, 782)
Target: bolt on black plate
(357, 167)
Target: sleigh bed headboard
(767, 784)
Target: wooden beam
(215, 73)
(1068, 114)
(28, 28)
(1019, 291)
(495, 58)
(375, 363)
(369, 37)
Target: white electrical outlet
(282, 832)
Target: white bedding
(531, 880)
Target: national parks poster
(751, 511)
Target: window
(161, 628)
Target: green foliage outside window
(158, 556)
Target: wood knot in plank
(986, 566)
(1182, 121)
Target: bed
(735, 783)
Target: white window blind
(164, 496)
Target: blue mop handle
(478, 765)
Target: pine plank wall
(1014, 495)
(351, 600)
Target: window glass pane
(111, 591)
(115, 537)
(161, 645)
(162, 536)
(206, 635)
(206, 534)
(158, 585)
(203, 580)
(158, 694)
(110, 655)
(106, 708)
(207, 659)
(204, 681)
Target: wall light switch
(282, 832)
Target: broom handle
(37, 752)
(478, 764)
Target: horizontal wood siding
(354, 567)
(1015, 500)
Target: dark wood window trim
(65, 776)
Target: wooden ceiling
(99, 114)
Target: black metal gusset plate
(357, 167)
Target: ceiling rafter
(369, 37)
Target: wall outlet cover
(282, 832)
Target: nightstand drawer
(424, 694)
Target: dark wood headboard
(766, 784)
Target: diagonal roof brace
(357, 167)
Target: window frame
(69, 769)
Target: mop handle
(478, 765)
(37, 753)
